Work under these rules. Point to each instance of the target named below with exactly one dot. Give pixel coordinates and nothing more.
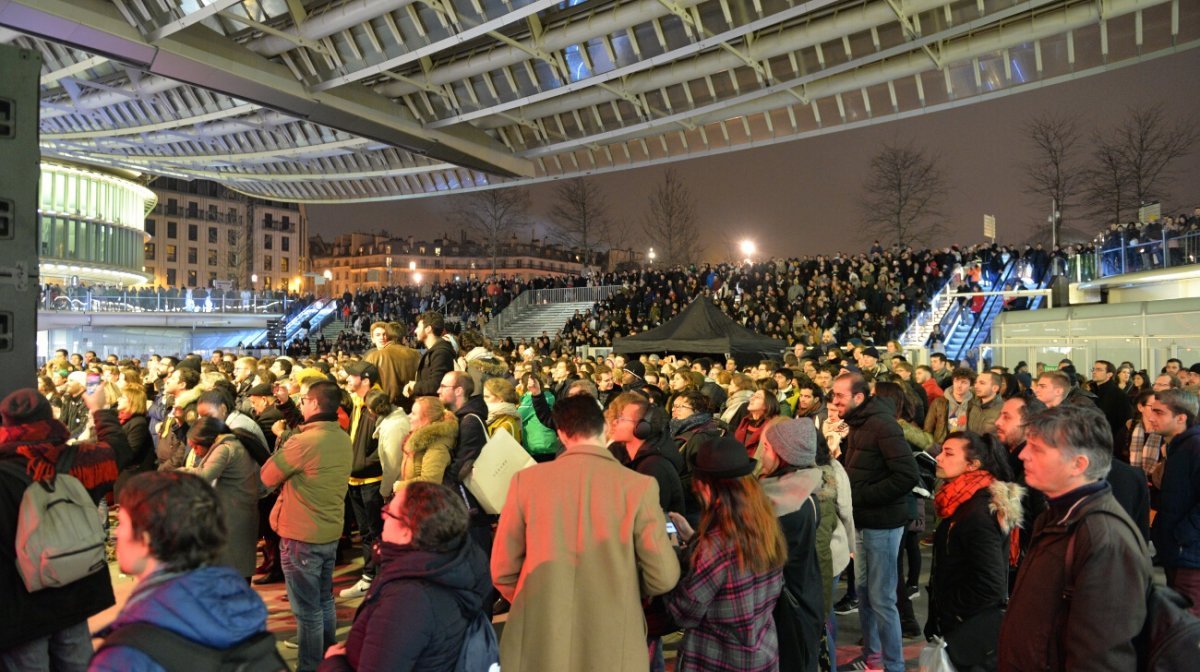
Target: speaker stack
(18, 217)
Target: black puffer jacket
(651, 460)
(880, 465)
(416, 615)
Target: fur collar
(1005, 504)
(441, 431)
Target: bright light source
(328, 274)
(412, 265)
(417, 278)
(253, 277)
(749, 248)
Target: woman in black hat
(725, 599)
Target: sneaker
(913, 592)
(357, 590)
(846, 605)
(292, 642)
(859, 663)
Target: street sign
(989, 227)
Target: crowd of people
(124, 298)
(1140, 246)
(722, 500)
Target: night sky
(802, 197)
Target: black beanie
(25, 406)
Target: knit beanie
(24, 406)
(794, 441)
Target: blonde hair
(136, 394)
(502, 389)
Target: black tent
(703, 329)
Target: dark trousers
(270, 538)
(368, 506)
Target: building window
(212, 257)
(267, 265)
(193, 255)
(172, 253)
(285, 243)
(172, 229)
(149, 250)
(191, 279)
(193, 232)
(283, 264)
(170, 277)
(268, 241)
(231, 236)
(212, 234)
(233, 259)
(150, 227)
(212, 277)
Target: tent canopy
(703, 328)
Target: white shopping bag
(934, 657)
(500, 458)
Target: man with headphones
(638, 444)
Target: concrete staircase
(330, 330)
(548, 310)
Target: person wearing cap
(789, 477)
(610, 549)
(366, 470)
(868, 361)
(724, 602)
(50, 624)
(73, 412)
(218, 456)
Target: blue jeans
(68, 650)
(876, 574)
(308, 575)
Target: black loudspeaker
(18, 217)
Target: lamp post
(749, 249)
(651, 256)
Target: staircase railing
(539, 297)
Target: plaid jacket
(726, 615)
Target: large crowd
(723, 500)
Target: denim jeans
(68, 650)
(875, 570)
(308, 575)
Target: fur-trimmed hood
(1005, 503)
(441, 431)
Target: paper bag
(501, 457)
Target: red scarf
(42, 442)
(955, 492)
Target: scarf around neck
(953, 493)
(42, 443)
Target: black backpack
(257, 653)
(1170, 637)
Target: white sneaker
(357, 590)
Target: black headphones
(643, 429)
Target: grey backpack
(59, 536)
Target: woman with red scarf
(973, 547)
(763, 406)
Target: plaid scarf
(42, 442)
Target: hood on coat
(464, 571)
(1005, 504)
(209, 605)
(790, 491)
(188, 397)
(441, 431)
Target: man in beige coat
(581, 541)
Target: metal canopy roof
(317, 101)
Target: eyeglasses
(681, 407)
(387, 511)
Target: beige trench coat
(581, 540)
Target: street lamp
(650, 255)
(416, 278)
(254, 280)
(328, 275)
(748, 249)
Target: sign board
(989, 226)
(1150, 213)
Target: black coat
(651, 461)
(880, 465)
(799, 640)
(1116, 407)
(416, 614)
(435, 363)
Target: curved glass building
(92, 225)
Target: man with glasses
(312, 466)
(639, 450)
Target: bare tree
(1106, 181)
(493, 216)
(580, 216)
(1053, 173)
(671, 223)
(1150, 144)
(903, 194)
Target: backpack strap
(256, 653)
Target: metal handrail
(532, 297)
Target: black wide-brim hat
(722, 457)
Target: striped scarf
(42, 442)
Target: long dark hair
(985, 449)
(739, 513)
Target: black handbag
(973, 643)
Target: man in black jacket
(437, 359)
(641, 450)
(1112, 402)
(882, 473)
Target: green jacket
(538, 439)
